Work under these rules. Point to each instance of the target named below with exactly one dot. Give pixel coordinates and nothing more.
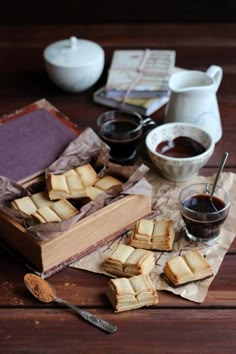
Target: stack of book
(137, 80)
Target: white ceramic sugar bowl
(74, 64)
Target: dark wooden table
(175, 325)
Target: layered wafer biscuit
(163, 235)
(24, 204)
(38, 219)
(57, 187)
(70, 172)
(198, 264)
(154, 235)
(79, 182)
(128, 261)
(64, 209)
(190, 267)
(142, 234)
(76, 187)
(72, 183)
(128, 294)
(47, 214)
(57, 211)
(43, 210)
(41, 199)
(107, 182)
(66, 186)
(87, 174)
(93, 192)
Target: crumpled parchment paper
(165, 206)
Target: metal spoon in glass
(220, 168)
(44, 292)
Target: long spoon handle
(98, 322)
(221, 166)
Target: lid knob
(73, 42)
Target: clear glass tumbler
(202, 213)
(122, 132)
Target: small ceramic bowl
(175, 168)
(74, 64)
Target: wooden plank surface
(88, 289)
(143, 331)
(175, 324)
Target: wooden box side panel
(94, 230)
(15, 236)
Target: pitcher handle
(216, 73)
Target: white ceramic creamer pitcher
(193, 99)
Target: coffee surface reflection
(180, 147)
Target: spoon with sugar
(44, 292)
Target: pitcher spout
(216, 73)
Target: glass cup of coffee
(202, 213)
(122, 132)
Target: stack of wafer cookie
(44, 210)
(72, 183)
(58, 211)
(155, 235)
(51, 206)
(79, 182)
(128, 261)
(29, 205)
(135, 292)
(190, 267)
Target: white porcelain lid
(73, 52)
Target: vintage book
(48, 256)
(140, 73)
(143, 106)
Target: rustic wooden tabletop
(174, 325)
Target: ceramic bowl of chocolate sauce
(179, 150)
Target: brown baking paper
(86, 148)
(165, 206)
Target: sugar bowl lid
(73, 52)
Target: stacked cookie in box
(53, 205)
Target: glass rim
(227, 203)
(134, 114)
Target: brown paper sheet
(165, 206)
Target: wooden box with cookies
(60, 198)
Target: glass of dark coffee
(122, 132)
(202, 213)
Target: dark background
(104, 11)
